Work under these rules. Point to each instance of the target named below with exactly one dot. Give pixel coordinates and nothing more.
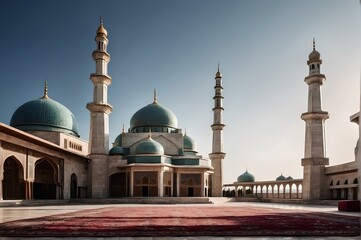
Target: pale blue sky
(175, 46)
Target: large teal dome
(44, 114)
(153, 117)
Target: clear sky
(175, 46)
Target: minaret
(99, 116)
(217, 154)
(314, 160)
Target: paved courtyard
(8, 214)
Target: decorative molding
(315, 116)
(99, 107)
(218, 126)
(316, 78)
(314, 161)
(217, 155)
(103, 79)
(101, 55)
(13, 147)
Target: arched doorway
(73, 186)
(118, 185)
(13, 182)
(44, 184)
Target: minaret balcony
(218, 155)
(314, 116)
(217, 126)
(100, 107)
(316, 78)
(103, 78)
(97, 54)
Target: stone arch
(264, 190)
(46, 179)
(13, 184)
(275, 191)
(288, 191)
(269, 191)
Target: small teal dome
(45, 114)
(149, 146)
(188, 143)
(280, 178)
(117, 150)
(246, 177)
(289, 178)
(153, 115)
(118, 140)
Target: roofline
(4, 128)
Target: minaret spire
(314, 160)
(45, 90)
(101, 21)
(155, 96)
(217, 154)
(314, 44)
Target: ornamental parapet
(219, 155)
(315, 116)
(99, 107)
(104, 79)
(101, 55)
(316, 78)
(314, 161)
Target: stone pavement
(16, 213)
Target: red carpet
(184, 221)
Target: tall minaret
(314, 160)
(99, 116)
(217, 154)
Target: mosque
(43, 157)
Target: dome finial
(314, 44)
(155, 96)
(185, 132)
(150, 133)
(45, 89)
(123, 128)
(101, 21)
(218, 73)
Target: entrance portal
(44, 184)
(13, 182)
